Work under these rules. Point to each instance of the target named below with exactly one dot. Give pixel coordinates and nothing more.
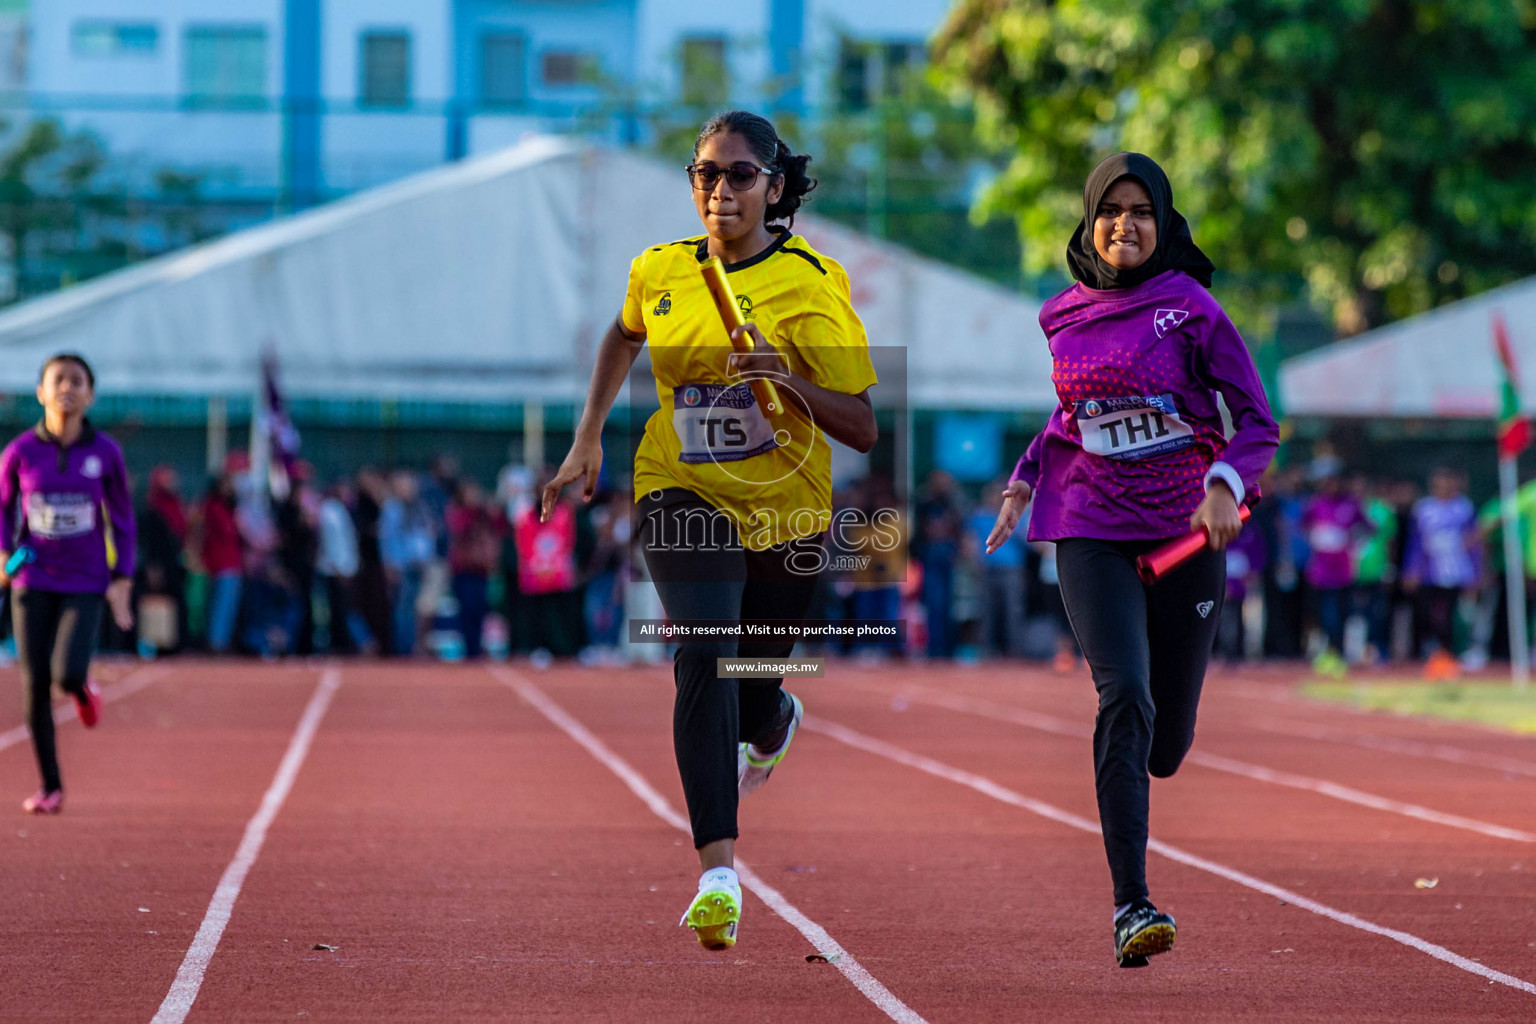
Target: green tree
(1378, 152)
(905, 168)
(45, 194)
(65, 216)
(900, 164)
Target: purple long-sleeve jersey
(69, 505)
(1136, 436)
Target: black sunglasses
(741, 176)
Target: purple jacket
(1442, 543)
(1246, 558)
(1333, 524)
(1136, 435)
(69, 505)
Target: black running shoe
(1140, 932)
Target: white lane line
(1216, 762)
(991, 709)
(987, 787)
(1397, 745)
(814, 933)
(189, 979)
(63, 713)
(1351, 795)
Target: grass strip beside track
(1489, 703)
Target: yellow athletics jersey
(774, 477)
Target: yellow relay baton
(719, 286)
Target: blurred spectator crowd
(395, 563)
(1336, 567)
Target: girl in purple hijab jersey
(1134, 454)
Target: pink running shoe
(44, 803)
(88, 704)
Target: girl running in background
(1334, 523)
(1442, 562)
(734, 507)
(67, 522)
(1134, 455)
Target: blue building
(307, 99)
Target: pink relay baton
(1156, 563)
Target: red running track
(461, 844)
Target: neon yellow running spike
(1159, 938)
(753, 766)
(713, 916)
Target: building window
(114, 39)
(868, 72)
(503, 72)
(706, 80)
(853, 76)
(904, 63)
(384, 61)
(226, 66)
(566, 68)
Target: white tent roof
(488, 280)
(1437, 364)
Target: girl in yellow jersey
(734, 499)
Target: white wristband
(1224, 472)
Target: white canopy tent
(1438, 364)
(485, 281)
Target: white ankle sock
(719, 878)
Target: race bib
(719, 423)
(1328, 537)
(52, 516)
(1132, 428)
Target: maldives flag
(1514, 429)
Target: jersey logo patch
(664, 306)
(744, 303)
(91, 467)
(1204, 608)
(1165, 320)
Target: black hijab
(1176, 249)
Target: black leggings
(1148, 648)
(55, 637)
(1435, 608)
(701, 571)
